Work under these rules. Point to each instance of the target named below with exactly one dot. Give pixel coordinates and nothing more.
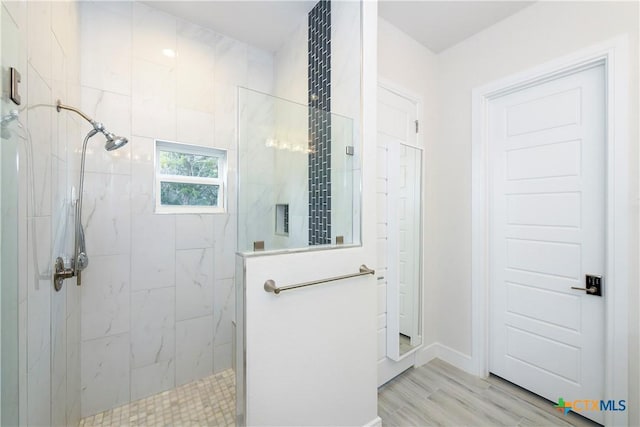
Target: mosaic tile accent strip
(319, 90)
(207, 402)
(286, 219)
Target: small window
(189, 178)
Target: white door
(397, 117)
(547, 213)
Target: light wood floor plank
(438, 394)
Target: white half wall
(309, 352)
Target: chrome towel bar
(270, 285)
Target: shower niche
(282, 219)
(298, 175)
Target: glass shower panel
(9, 281)
(298, 172)
(9, 410)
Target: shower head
(114, 142)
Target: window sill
(191, 210)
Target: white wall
(42, 44)
(304, 367)
(540, 33)
(157, 298)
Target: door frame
(614, 55)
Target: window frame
(184, 148)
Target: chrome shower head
(114, 142)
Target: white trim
(413, 97)
(451, 356)
(455, 358)
(398, 89)
(614, 54)
(427, 354)
(393, 255)
(388, 368)
(376, 422)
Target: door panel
(547, 212)
(555, 308)
(551, 209)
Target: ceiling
(264, 24)
(437, 25)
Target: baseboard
(427, 354)
(376, 422)
(456, 358)
(389, 369)
(453, 357)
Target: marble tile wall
(44, 48)
(158, 296)
(276, 174)
(257, 170)
(291, 83)
(345, 101)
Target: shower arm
(97, 126)
(61, 106)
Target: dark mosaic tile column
(320, 123)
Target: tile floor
(434, 394)
(207, 402)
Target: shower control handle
(61, 273)
(82, 262)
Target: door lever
(593, 285)
(590, 290)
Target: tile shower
(155, 310)
(159, 315)
(41, 40)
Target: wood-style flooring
(438, 394)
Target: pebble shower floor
(207, 402)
